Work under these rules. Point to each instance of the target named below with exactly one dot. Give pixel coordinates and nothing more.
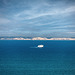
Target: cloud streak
(36, 13)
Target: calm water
(22, 58)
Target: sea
(23, 57)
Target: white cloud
(71, 32)
(4, 21)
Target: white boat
(40, 46)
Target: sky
(37, 18)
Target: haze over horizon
(37, 18)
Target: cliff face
(37, 38)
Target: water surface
(19, 57)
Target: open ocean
(19, 57)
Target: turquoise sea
(19, 57)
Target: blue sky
(33, 18)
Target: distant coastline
(37, 38)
